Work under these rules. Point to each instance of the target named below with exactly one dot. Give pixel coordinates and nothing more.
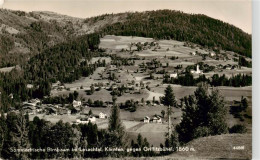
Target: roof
(157, 117)
(28, 107)
(146, 117)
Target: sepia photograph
(126, 79)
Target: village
(137, 70)
(85, 115)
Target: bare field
(220, 147)
(167, 48)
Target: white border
(256, 79)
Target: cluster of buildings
(35, 106)
(90, 118)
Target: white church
(198, 71)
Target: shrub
(238, 128)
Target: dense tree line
(139, 147)
(199, 29)
(130, 105)
(243, 62)
(187, 79)
(17, 132)
(40, 134)
(62, 62)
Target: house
(157, 119)
(212, 54)
(64, 111)
(86, 120)
(35, 101)
(11, 96)
(76, 103)
(51, 110)
(146, 119)
(193, 53)
(173, 75)
(102, 115)
(32, 102)
(82, 121)
(39, 109)
(92, 118)
(28, 109)
(113, 68)
(29, 86)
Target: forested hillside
(26, 34)
(62, 62)
(23, 35)
(199, 29)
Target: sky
(236, 12)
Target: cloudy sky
(236, 12)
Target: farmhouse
(39, 109)
(193, 53)
(76, 103)
(29, 86)
(102, 115)
(51, 110)
(29, 109)
(11, 96)
(86, 120)
(64, 111)
(146, 119)
(173, 75)
(82, 120)
(157, 119)
(228, 66)
(92, 118)
(212, 54)
(34, 101)
(113, 68)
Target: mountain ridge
(24, 35)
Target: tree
(92, 89)
(60, 136)
(204, 114)
(90, 112)
(244, 103)
(3, 129)
(141, 143)
(173, 141)
(17, 136)
(169, 100)
(169, 97)
(114, 98)
(36, 128)
(75, 94)
(238, 128)
(116, 131)
(163, 113)
(90, 102)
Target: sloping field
(221, 146)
